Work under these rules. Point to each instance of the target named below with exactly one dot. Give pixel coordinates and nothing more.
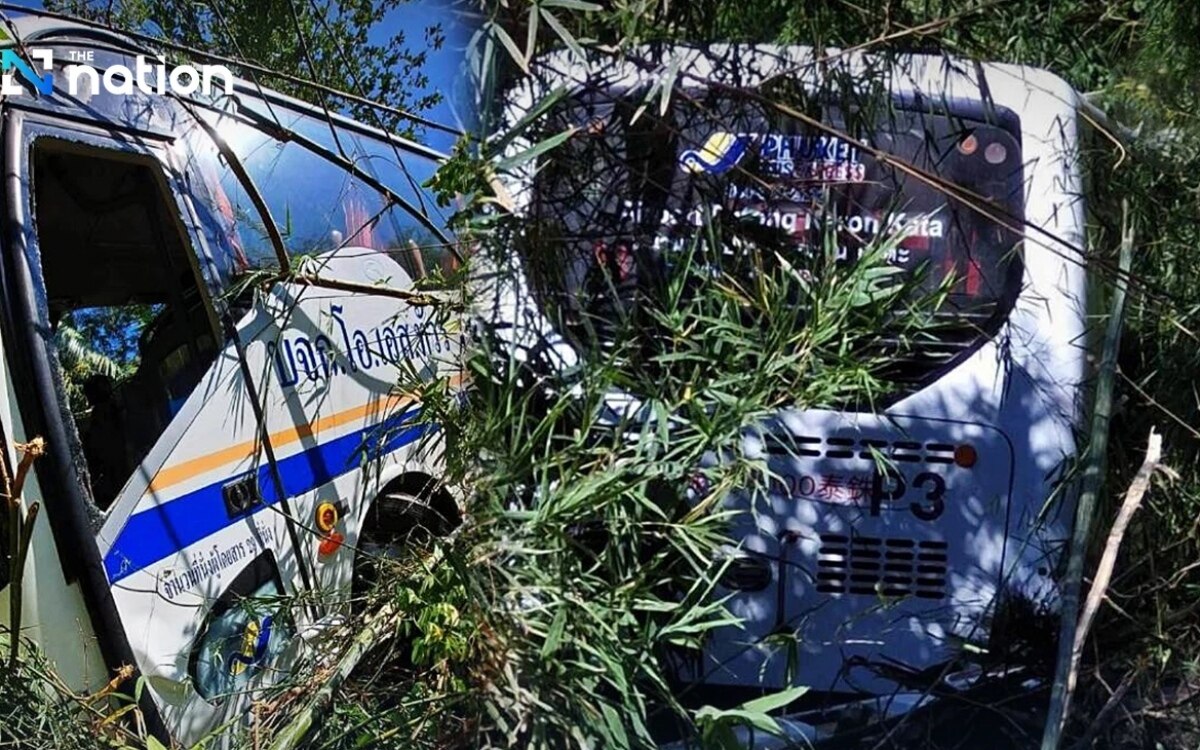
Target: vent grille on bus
(747, 573)
(873, 566)
(863, 449)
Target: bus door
(160, 415)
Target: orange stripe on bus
(186, 470)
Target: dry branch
(1106, 712)
(1133, 500)
(20, 530)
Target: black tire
(398, 524)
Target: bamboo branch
(412, 298)
(1091, 486)
(375, 632)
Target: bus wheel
(400, 524)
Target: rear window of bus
(633, 186)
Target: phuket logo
(720, 153)
(85, 81)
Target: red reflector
(965, 456)
(330, 544)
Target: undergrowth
(585, 566)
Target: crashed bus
(895, 542)
(203, 518)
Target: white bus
(203, 511)
(891, 545)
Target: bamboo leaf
(531, 32)
(668, 85)
(616, 729)
(526, 121)
(578, 5)
(554, 636)
(775, 700)
(566, 36)
(507, 42)
(554, 141)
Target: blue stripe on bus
(163, 530)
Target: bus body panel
(865, 566)
(345, 364)
(335, 429)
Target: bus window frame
(155, 153)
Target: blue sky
(443, 67)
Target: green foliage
(31, 719)
(112, 332)
(458, 178)
(717, 727)
(327, 41)
(38, 713)
(584, 575)
(1135, 58)
(99, 342)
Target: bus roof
(746, 65)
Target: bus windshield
(317, 203)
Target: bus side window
(130, 318)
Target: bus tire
(404, 520)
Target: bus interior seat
(178, 345)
